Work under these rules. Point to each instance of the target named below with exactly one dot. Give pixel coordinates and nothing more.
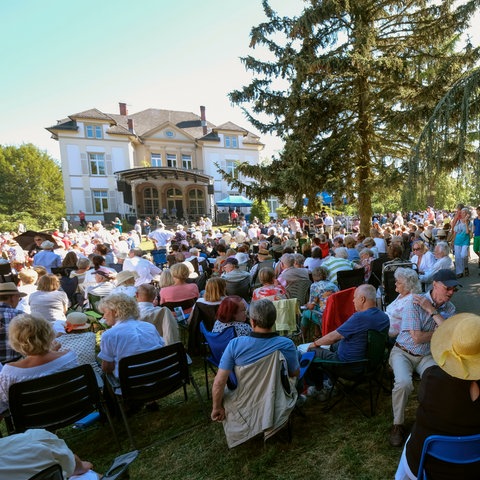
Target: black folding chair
(57, 400)
(149, 376)
(350, 278)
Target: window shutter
(108, 163)
(84, 161)
(88, 201)
(112, 201)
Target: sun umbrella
(25, 240)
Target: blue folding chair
(217, 343)
(460, 450)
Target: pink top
(179, 293)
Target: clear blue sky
(61, 57)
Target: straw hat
(77, 321)
(263, 254)
(455, 346)
(125, 275)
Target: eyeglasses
(416, 249)
(450, 289)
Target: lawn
(178, 442)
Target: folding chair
(347, 376)
(69, 286)
(149, 376)
(350, 278)
(288, 311)
(338, 309)
(299, 290)
(241, 288)
(217, 343)
(458, 450)
(57, 400)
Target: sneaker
(397, 435)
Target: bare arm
(108, 367)
(329, 339)
(218, 412)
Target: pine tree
(348, 88)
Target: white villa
(139, 164)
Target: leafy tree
(348, 87)
(32, 183)
(260, 210)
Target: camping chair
(338, 309)
(299, 290)
(459, 450)
(216, 343)
(203, 312)
(347, 376)
(159, 257)
(288, 311)
(117, 469)
(57, 400)
(149, 376)
(241, 288)
(165, 323)
(376, 271)
(69, 286)
(262, 402)
(201, 281)
(350, 278)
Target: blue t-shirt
(353, 346)
(476, 227)
(248, 349)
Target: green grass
(178, 442)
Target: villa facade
(148, 163)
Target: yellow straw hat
(455, 346)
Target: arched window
(150, 201)
(196, 202)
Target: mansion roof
(152, 119)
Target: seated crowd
(230, 279)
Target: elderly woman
(232, 312)
(315, 260)
(268, 289)
(406, 284)
(125, 283)
(48, 301)
(83, 266)
(421, 257)
(128, 335)
(180, 291)
(104, 283)
(448, 398)
(366, 259)
(79, 339)
(320, 290)
(32, 336)
(443, 260)
(28, 278)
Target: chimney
(130, 123)
(123, 108)
(204, 120)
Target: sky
(62, 57)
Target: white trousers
(461, 258)
(403, 366)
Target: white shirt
(146, 270)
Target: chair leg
(121, 406)
(205, 367)
(199, 396)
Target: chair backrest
(201, 281)
(376, 345)
(241, 288)
(194, 262)
(94, 300)
(390, 294)
(54, 401)
(376, 269)
(165, 323)
(300, 290)
(159, 257)
(217, 342)
(460, 450)
(339, 308)
(185, 304)
(287, 311)
(350, 278)
(154, 374)
(205, 313)
(69, 286)
(54, 472)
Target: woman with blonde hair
(422, 257)
(33, 337)
(205, 310)
(48, 301)
(28, 278)
(180, 291)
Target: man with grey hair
(337, 263)
(443, 261)
(348, 343)
(290, 273)
(246, 350)
(145, 269)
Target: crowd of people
(229, 277)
